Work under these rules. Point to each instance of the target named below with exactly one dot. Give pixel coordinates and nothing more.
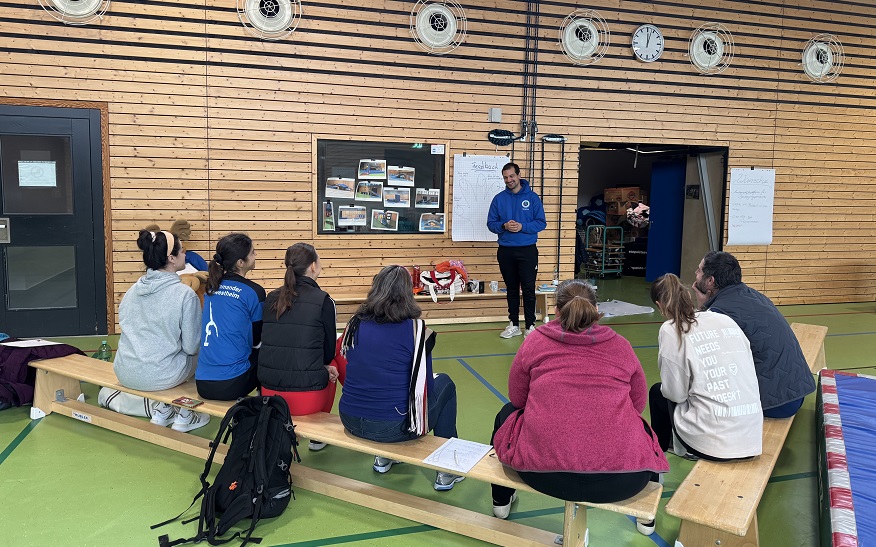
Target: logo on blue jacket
(525, 204)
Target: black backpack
(254, 482)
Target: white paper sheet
(458, 455)
(35, 343)
(751, 206)
(476, 180)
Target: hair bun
(218, 258)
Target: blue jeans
(442, 417)
(784, 411)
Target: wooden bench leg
(575, 532)
(47, 385)
(692, 534)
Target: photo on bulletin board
(372, 169)
(328, 216)
(384, 220)
(390, 181)
(367, 190)
(432, 222)
(352, 215)
(336, 187)
(396, 197)
(400, 176)
(428, 198)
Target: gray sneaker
(529, 331)
(445, 481)
(511, 331)
(382, 465)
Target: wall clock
(647, 43)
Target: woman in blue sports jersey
(231, 324)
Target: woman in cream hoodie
(708, 395)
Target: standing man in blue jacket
(517, 215)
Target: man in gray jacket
(783, 375)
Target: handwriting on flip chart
(458, 455)
(751, 206)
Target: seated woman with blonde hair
(573, 429)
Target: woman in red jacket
(573, 429)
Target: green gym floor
(67, 483)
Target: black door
(52, 273)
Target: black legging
(567, 486)
(229, 390)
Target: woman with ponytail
(297, 359)
(573, 429)
(160, 319)
(231, 326)
(708, 395)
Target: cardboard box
(631, 193)
(617, 208)
(626, 193)
(612, 195)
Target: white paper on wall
(751, 206)
(476, 180)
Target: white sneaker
(502, 511)
(187, 420)
(511, 331)
(645, 527)
(529, 331)
(163, 414)
(315, 446)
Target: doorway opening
(645, 210)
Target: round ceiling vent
(269, 19)
(75, 12)
(823, 58)
(711, 48)
(584, 37)
(438, 27)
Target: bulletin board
(372, 187)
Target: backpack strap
(223, 426)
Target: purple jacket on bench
(16, 378)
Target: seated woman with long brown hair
(297, 359)
(573, 429)
(390, 393)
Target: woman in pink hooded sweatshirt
(573, 429)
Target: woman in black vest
(297, 357)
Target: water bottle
(415, 278)
(104, 352)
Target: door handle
(4, 230)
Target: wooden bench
(466, 307)
(717, 502)
(57, 386)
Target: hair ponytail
(229, 250)
(299, 257)
(576, 304)
(676, 303)
(154, 247)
